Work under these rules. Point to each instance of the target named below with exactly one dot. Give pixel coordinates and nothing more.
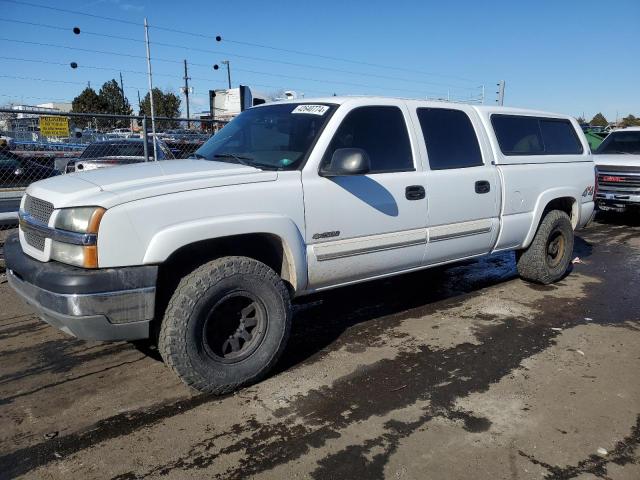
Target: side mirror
(347, 161)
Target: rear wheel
(548, 257)
(226, 324)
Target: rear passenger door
(462, 184)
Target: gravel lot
(463, 372)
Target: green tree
(598, 120)
(87, 102)
(114, 102)
(165, 104)
(630, 121)
(581, 120)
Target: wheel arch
(565, 200)
(273, 240)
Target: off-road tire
(534, 263)
(182, 339)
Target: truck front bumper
(103, 304)
(617, 202)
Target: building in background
(25, 125)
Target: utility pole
(153, 114)
(226, 62)
(89, 84)
(500, 92)
(139, 102)
(186, 91)
(124, 100)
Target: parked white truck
(618, 162)
(203, 256)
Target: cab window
(450, 138)
(381, 131)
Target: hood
(617, 160)
(107, 187)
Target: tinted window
(381, 132)
(8, 159)
(621, 142)
(518, 135)
(559, 137)
(450, 138)
(127, 149)
(535, 136)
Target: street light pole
(226, 62)
(153, 114)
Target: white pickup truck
(202, 256)
(618, 162)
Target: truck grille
(619, 180)
(35, 240)
(41, 210)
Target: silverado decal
(318, 236)
(588, 192)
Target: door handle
(414, 192)
(483, 186)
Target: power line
(70, 82)
(248, 57)
(89, 50)
(103, 52)
(36, 98)
(94, 67)
(136, 72)
(75, 12)
(357, 62)
(66, 29)
(346, 60)
(333, 82)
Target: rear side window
(450, 139)
(520, 135)
(381, 132)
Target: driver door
(362, 226)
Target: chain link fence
(36, 144)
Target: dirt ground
(454, 373)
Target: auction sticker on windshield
(312, 109)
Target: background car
(16, 171)
(111, 153)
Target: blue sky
(568, 56)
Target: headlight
(79, 255)
(82, 221)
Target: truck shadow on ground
(320, 320)
(628, 219)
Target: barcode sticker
(311, 109)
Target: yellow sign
(54, 126)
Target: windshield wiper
(237, 158)
(248, 161)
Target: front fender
(170, 239)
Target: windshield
(108, 149)
(621, 142)
(276, 136)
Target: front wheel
(226, 324)
(547, 258)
